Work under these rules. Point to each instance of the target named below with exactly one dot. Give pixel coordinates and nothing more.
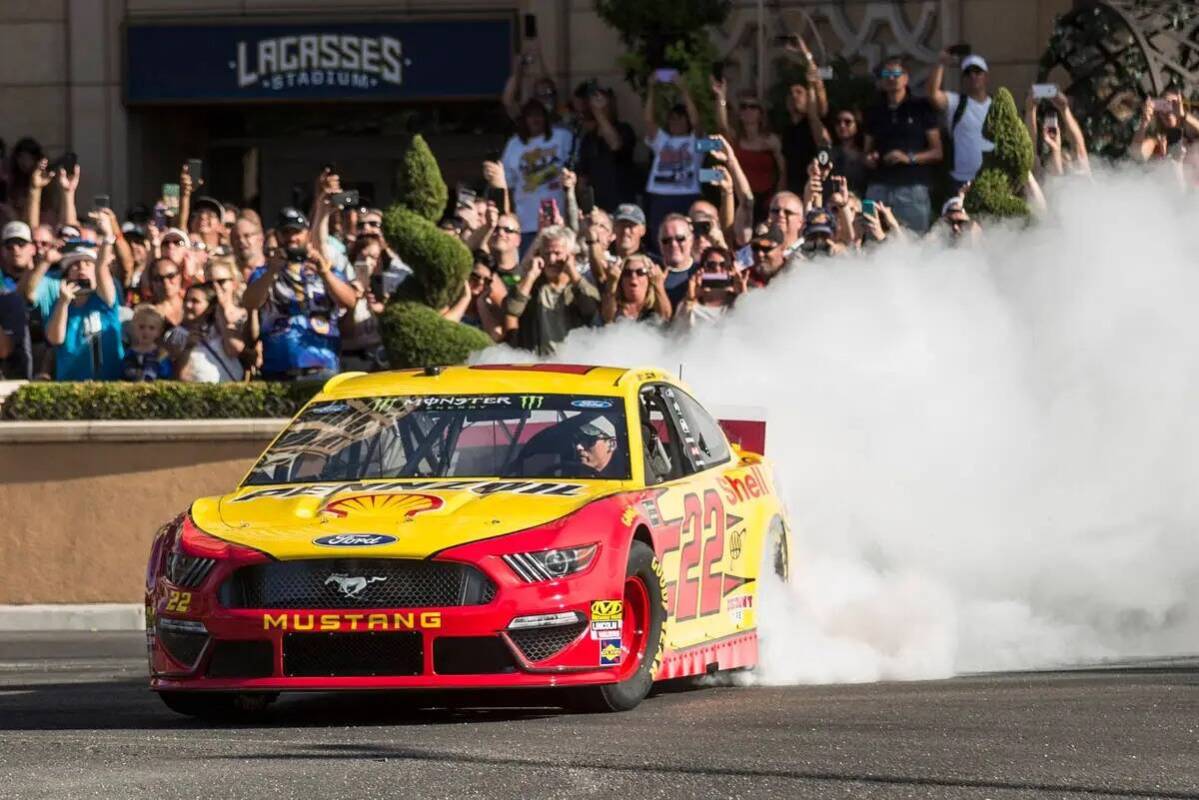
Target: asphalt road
(76, 721)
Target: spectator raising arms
(806, 106)
(206, 347)
(759, 152)
(606, 151)
(85, 327)
(711, 290)
(300, 296)
(552, 298)
(674, 176)
(902, 141)
(964, 113)
(533, 161)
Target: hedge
(440, 262)
(157, 400)
(419, 181)
(418, 336)
(995, 191)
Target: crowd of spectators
(572, 225)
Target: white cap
(16, 230)
(599, 426)
(176, 233)
(83, 254)
(974, 61)
(952, 204)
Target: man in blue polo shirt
(300, 296)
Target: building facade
(266, 91)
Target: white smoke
(990, 456)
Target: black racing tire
(627, 694)
(777, 550)
(218, 705)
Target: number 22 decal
(179, 601)
(703, 528)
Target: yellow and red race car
(589, 528)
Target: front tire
(642, 628)
(218, 705)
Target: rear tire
(218, 705)
(644, 569)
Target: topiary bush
(995, 191)
(414, 333)
(419, 181)
(157, 400)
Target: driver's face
(595, 453)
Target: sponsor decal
(389, 504)
(328, 408)
(748, 485)
(354, 540)
(465, 400)
(531, 402)
(735, 538)
(592, 403)
(179, 601)
(628, 516)
(552, 488)
(651, 510)
(739, 607)
(609, 654)
(607, 610)
(393, 621)
(352, 585)
(606, 630)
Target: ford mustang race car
(588, 528)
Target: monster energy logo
(531, 401)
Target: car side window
(711, 446)
(661, 450)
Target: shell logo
(383, 505)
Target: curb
(83, 617)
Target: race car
(585, 528)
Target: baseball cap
(629, 212)
(292, 218)
(767, 236)
(952, 204)
(204, 201)
(133, 231)
(82, 254)
(176, 233)
(600, 427)
(16, 230)
(819, 221)
(974, 61)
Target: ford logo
(354, 540)
(591, 403)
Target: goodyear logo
(396, 621)
(607, 610)
(610, 654)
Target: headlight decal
(551, 565)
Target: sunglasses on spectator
(369, 223)
(675, 239)
(639, 271)
(762, 248)
(891, 73)
(716, 264)
(476, 277)
(170, 276)
(506, 229)
(972, 71)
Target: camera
(344, 200)
(296, 255)
(703, 227)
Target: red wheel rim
(634, 628)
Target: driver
(594, 449)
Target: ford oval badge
(354, 540)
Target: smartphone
(101, 201)
(868, 209)
(530, 26)
(708, 144)
(825, 73)
(710, 176)
(344, 199)
(376, 285)
(83, 284)
(195, 168)
(665, 74)
(170, 198)
(1044, 91)
(586, 197)
(960, 50)
(1051, 123)
(703, 227)
(160, 216)
(1162, 105)
(823, 158)
(494, 194)
(549, 208)
(464, 196)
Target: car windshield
(450, 436)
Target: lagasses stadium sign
(401, 60)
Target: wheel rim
(634, 627)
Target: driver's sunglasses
(588, 442)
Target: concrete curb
(83, 617)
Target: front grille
(188, 571)
(235, 659)
(345, 655)
(471, 655)
(356, 583)
(183, 646)
(538, 644)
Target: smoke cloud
(988, 456)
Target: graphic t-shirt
(299, 321)
(92, 349)
(676, 164)
(533, 171)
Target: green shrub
(419, 181)
(416, 335)
(157, 400)
(439, 261)
(995, 191)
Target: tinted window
(660, 441)
(699, 429)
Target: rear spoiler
(745, 426)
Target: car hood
(419, 517)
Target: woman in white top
(205, 347)
(673, 183)
(533, 160)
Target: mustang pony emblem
(351, 586)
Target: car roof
(494, 379)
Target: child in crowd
(145, 358)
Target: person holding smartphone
(605, 150)
(1163, 127)
(964, 112)
(85, 327)
(673, 183)
(532, 162)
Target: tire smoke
(987, 455)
